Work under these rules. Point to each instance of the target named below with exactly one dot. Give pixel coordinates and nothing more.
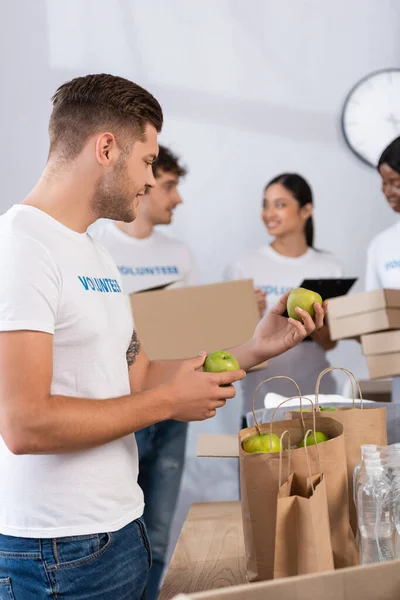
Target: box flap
(179, 323)
(355, 304)
(381, 343)
(217, 445)
(367, 582)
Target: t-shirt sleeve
(30, 288)
(372, 280)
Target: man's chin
(164, 221)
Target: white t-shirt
(155, 261)
(275, 274)
(383, 260)
(61, 282)
(383, 271)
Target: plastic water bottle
(375, 519)
(395, 471)
(366, 450)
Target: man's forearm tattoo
(133, 350)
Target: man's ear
(106, 149)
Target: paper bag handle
(301, 413)
(286, 432)
(258, 387)
(308, 458)
(349, 374)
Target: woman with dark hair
(383, 257)
(282, 265)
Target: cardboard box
(179, 323)
(384, 365)
(368, 312)
(378, 391)
(218, 445)
(382, 351)
(370, 582)
(381, 343)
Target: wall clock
(371, 114)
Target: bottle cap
(368, 447)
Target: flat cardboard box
(180, 323)
(384, 365)
(381, 343)
(218, 445)
(383, 354)
(368, 312)
(380, 581)
(376, 390)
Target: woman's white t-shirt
(383, 260)
(275, 274)
(61, 282)
(383, 271)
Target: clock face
(371, 115)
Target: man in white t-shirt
(383, 256)
(74, 383)
(147, 259)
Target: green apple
(327, 408)
(220, 361)
(319, 436)
(302, 298)
(262, 443)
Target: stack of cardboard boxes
(375, 318)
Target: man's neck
(293, 245)
(140, 228)
(65, 196)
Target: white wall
(249, 89)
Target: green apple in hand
(220, 361)
(262, 443)
(319, 436)
(302, 298)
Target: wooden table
(210, 551)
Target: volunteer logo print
(167, 270)
(100, 284)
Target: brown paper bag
(259, 484)
(361, 426)
(302, 535)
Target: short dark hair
(168, 162)
(86, 105)
(391, 156)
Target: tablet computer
(329, 288)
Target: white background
(249, 89)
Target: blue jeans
(109, 566)
(161, 459)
